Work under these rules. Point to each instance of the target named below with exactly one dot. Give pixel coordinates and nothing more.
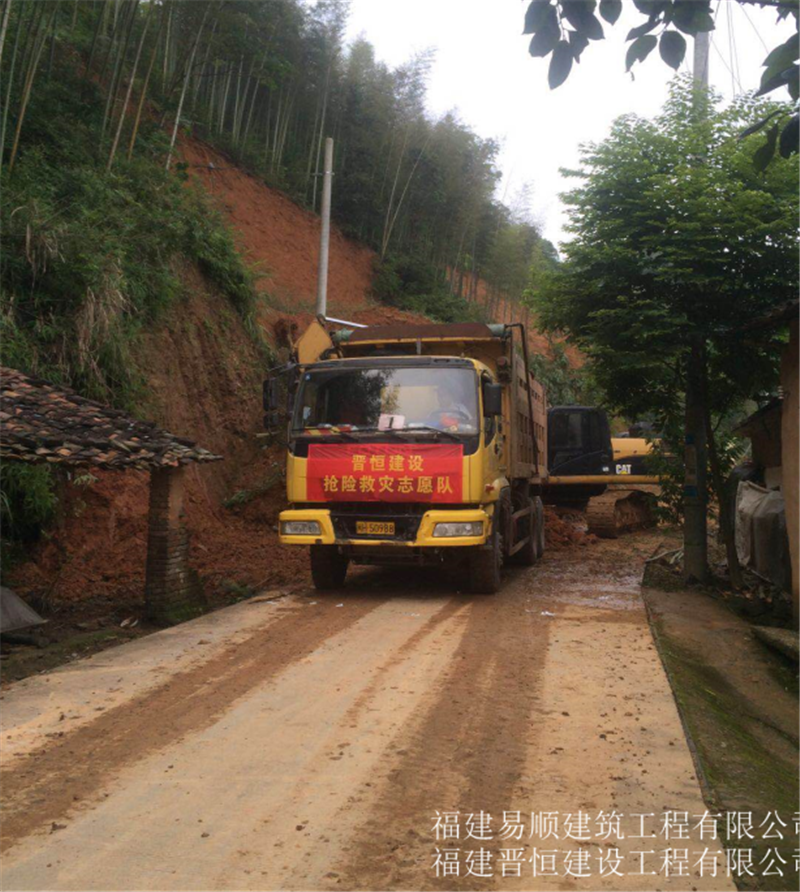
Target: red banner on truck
(385, 472)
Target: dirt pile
(565, 528)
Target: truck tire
(485, 565)
(328, 567)
(539, 510)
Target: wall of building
(790, 447)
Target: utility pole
(325, 234)
(700, 68)
(695, 498)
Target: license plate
(374, 528)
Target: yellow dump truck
(413, 444)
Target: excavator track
(621, 510)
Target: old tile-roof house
(45, 423)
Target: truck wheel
(328, 567)
(485, 565)
(539, 511)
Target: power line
(730, 68)
(758, 33)
(736, 54)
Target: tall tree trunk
(119, 67)
(97, 28)
(319, 138)
(223, 107)
(388, 233)
(53, 41)
(112, 39)
(26, 91)
(267, 126)
(726, 521)
(185, 84)
(277, 129)
(312, 146)
(386, 222)
(168, 6)
(38, 12)
(244, 103)
(253, 101)
(4, 26)
(695, 530)
(7, 100)
(141, 102)
(203, 67)
(123, 111)
(286, 120)
(237, 91)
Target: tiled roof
(40, 422)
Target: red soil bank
(203, 381)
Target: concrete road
(396, 736)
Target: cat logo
(623, 469)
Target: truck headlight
(300, 528)
(473, 528)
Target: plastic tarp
(761, 539)
(15, 613)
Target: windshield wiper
(325, 432)
(378, 430)
(428, 429)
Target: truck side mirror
(277, 397)
(492, 399)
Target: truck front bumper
(424, 537)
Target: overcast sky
(483, 70)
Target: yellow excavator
(607, 477)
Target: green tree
(677, 241)
(563, 29)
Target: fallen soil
(315, 748)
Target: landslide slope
(203, 373)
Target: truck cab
(403, 448)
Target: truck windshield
(388, 399)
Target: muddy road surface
(398, 735)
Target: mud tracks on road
(71, 771)
(466, 747)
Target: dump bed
(528, 442)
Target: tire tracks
(467, 750)
(70, 772)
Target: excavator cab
(578, 441)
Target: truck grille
(406, 520)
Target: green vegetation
(678, 242)
(563, 29)
(266, 83)
(417, 286)
(566, 385)
(91, 255)
(27, 500)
